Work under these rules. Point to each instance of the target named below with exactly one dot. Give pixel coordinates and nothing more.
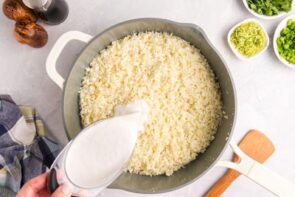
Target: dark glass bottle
(52, 12)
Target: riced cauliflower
(177, 83)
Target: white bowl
(235, 51)
(279, 28)
(281, 14)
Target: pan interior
(188, 32)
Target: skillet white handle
(259, 173)
(57, 48)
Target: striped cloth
(25, 152)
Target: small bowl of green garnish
(284, 41)
(269, 9)
(248, 39)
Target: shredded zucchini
(248, 38)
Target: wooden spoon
(257, 146)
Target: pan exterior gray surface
(196, 36)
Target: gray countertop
(265, 88)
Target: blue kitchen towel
(25, 152)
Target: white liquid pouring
(98, 155)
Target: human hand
(37, 187)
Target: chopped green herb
(286, 42)
(248, 38)
(270, 7)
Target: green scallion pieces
(286, 42)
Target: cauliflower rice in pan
(177, 83)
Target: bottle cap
(33, 4)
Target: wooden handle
(257, 146)
(222, 184)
